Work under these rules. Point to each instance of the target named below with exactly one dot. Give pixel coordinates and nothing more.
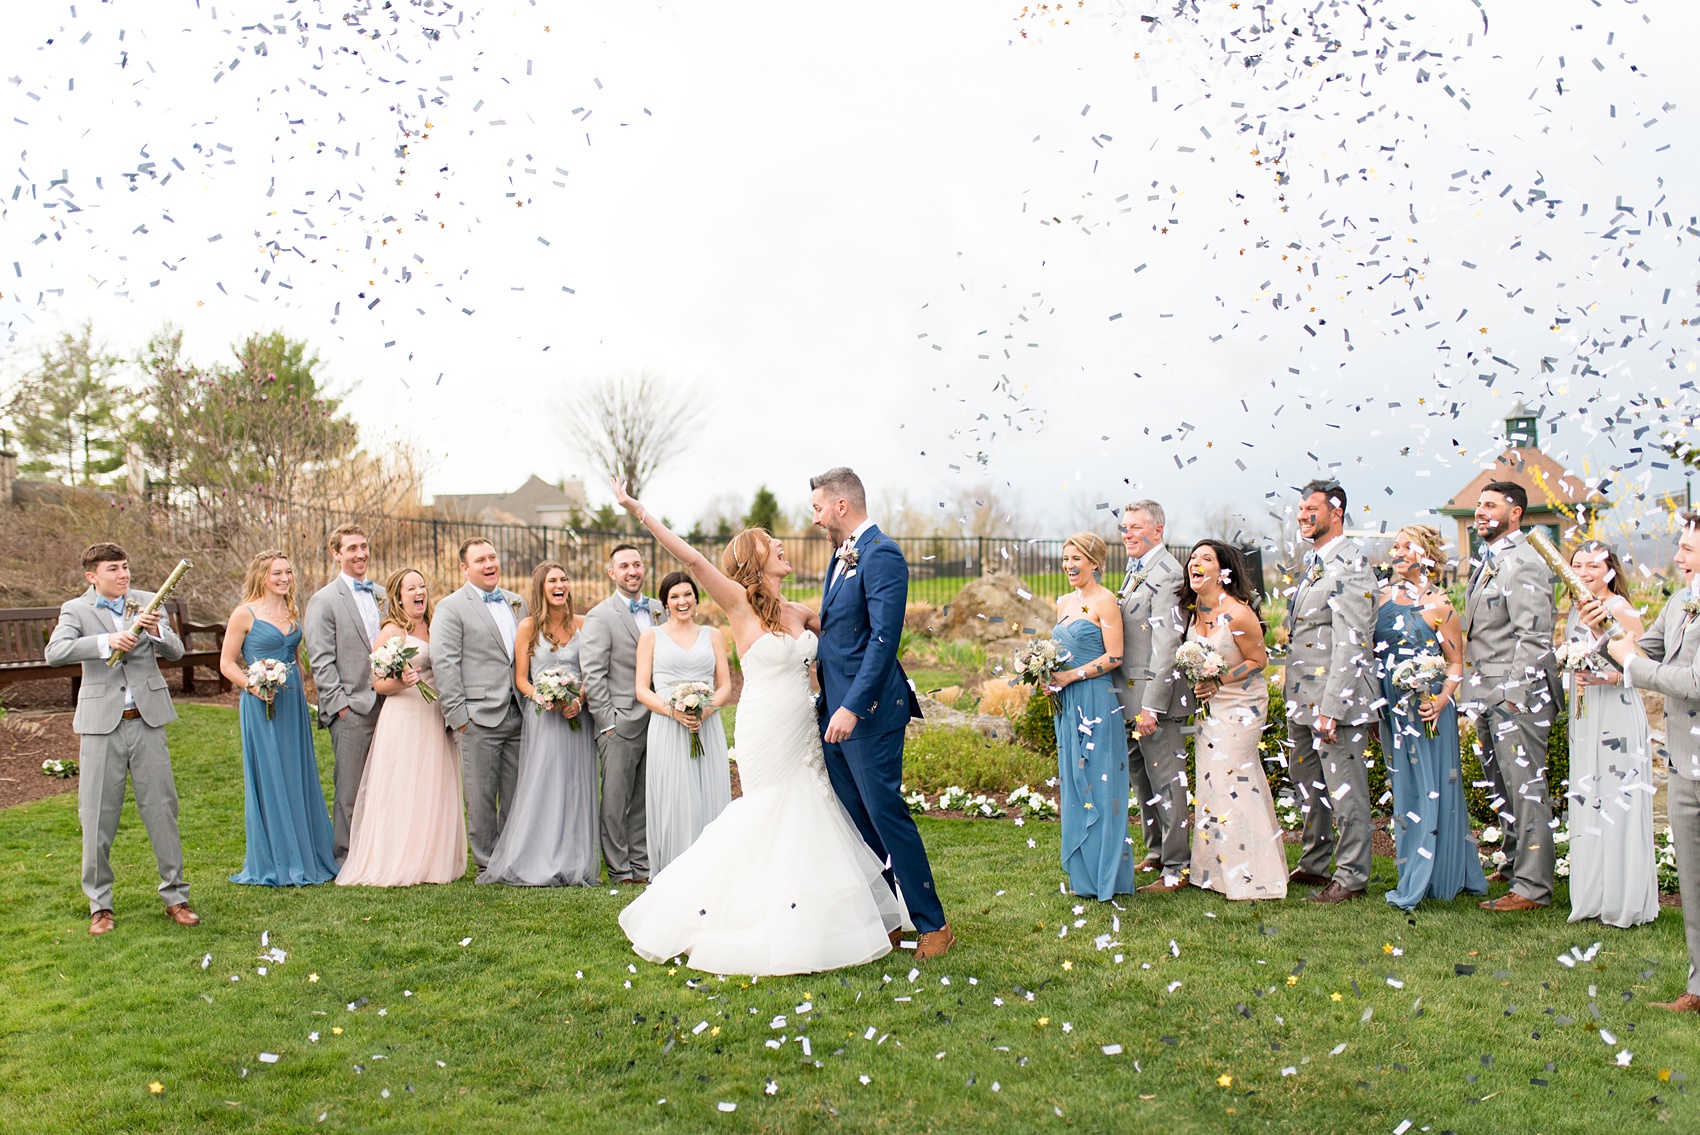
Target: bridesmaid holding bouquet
(409, 823)
(288, 826)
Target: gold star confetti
(1335, 997)
(156, 1088)
(1292, 979)
(1068, 964)
(1224, 1080)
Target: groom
(866, 701)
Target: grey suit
(340, 653)
(1512, 690)
(473, 667)
(1672, 667)
(115, 746)
(1330, 672)
(609, 658)
(1152, 628)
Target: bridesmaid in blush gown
(1237, 847)
(683, 793)
(409, 823)
(1435, 852)
(551, 837)
(288, 828)
(1613, 873)
(1091, 736)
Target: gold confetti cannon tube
(154, 604)
(1579, 590)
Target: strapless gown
(781, 881)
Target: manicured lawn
(543, 1019)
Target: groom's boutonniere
(848, 557)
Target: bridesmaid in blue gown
(1433, 847)
(288, 826)
(1091, 736)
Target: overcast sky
(942, 243)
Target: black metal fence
(939, 566)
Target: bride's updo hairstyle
(1092, 546)
(744, 562)
(394, 615)
(1426, 540)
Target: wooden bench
(24, 632)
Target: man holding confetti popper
(122, 711)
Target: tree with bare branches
(629, 425)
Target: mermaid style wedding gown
(781, 881)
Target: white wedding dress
(781, 881)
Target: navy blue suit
(861, 620)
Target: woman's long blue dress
(1092, 772)
(289, 828)
(1433, 846)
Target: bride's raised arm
(729, 595)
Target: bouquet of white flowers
(696, 699)
(555, 688)
(1417, 675)
(1036, 665)
(266, 676)
(393, 658)
(1198, 662)
(1579, 657)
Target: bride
(781, 882)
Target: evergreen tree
(66, 412)
(764, 511)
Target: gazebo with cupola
(1558, 500)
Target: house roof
(522, 506)
(1549, 486)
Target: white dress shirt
(504, 616)
(366, 603)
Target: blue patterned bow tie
(494, 595)
(116, 606)
(364, 585)
(638, 604)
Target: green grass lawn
(471, 1009)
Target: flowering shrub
(1033, 806)
(1664, 849)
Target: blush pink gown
(409, 822)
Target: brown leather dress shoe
(182, 915)
(1509, 902)
(935, 944)
(1165, 884)
(1334, 894)
(1149, 864)
(1499, 877)
(896, 937)
(1306, 879)
(1687, 1003)
(100, 922)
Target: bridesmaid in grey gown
(550, 838)
(683, 793)
(1613, 874)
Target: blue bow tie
(116, 606)
(1312, 558)
(494, 595)
(639, 604)
(364, 585)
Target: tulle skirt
(409, 823)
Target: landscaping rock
(936, 715)
(992, 608)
